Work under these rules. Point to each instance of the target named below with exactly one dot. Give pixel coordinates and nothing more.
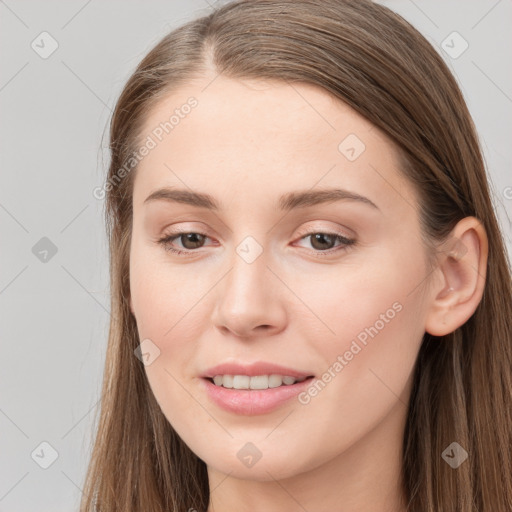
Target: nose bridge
(247, 282)
(248, 296)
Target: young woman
(310, 292)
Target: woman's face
(269, 278)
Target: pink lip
(253, 369)
(252, 401)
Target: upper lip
(253, 369)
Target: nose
(250, 300)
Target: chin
(245, 465)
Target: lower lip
(249, 402)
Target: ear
(460, 280)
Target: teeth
(256, 382)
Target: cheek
(167, 306)
(377, 319)
(166, 317)
(363, 301)
(170, 318)
(162, 294)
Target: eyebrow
(286, 202)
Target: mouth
(255, 382)
(246, 395)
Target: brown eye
(322, 241)
(325, 242)
(191, 240)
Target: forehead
(249, 111)
(262, 137)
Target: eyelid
(346, 242)
(308, 230)
(303, 231)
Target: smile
(242, 399)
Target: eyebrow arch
(287, 202)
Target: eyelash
(167, 239)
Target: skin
(245, 144)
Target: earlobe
(462, 264)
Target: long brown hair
(376, 62)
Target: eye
(190, 241)
(321, 241)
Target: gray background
(54, 113)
